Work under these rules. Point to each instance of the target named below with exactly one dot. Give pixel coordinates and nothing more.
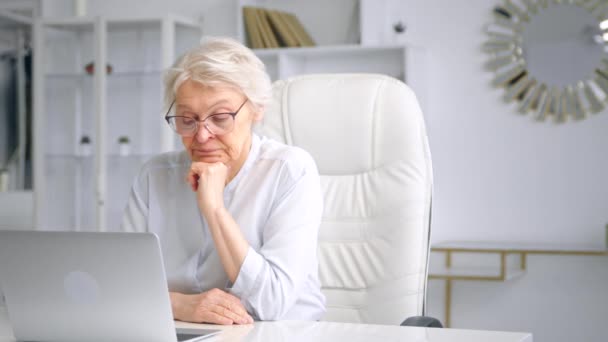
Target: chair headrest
(349, 123)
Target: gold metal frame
(503, 276)
(504, 47)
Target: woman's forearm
(229, 241)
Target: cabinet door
(133, 116)
(65, 109)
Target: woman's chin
(207, 159)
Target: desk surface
(328, 331)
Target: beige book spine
(268, 37)
(282, 30)
(295, 25)
(252, 28)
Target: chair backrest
(367, 135)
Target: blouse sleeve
(270, 278)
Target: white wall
(502, 176)
(498, 175)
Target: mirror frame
(505, 49)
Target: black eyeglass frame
(169, 117)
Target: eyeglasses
(216, 124)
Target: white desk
(327, 331)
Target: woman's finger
(235, 304)
(231, 303)
(192, 179)
(212, 317)
(222, 310)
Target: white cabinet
(93, 129)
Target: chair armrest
(422, 321)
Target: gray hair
(220, 61)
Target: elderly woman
(237, 214)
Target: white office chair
(367, 135)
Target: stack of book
(268, 28)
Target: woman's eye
(220, 118)
(187, 121)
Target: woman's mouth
(209, 155)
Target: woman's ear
(258, 115)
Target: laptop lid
(78, 286)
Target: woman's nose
(203, 134)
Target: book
(268, 37)
(296, 26)
(266, 28)
(252, 29)
(283, 33)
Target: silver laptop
(77, 286)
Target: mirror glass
(559, 45)
(551, 56)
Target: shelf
(519, 247)
(327, 22)
(148, 22)
(120, 22)
(84, 157)
(328, 50)
(119, 74)
(481, 250)
(70, 23)
(283, 63)
(503, 271)
(474, 273)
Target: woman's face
(196, 100)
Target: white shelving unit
(88, 191)
(338, 28)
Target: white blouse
(277, 202)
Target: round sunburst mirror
(551, 56)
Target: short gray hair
(221, 61)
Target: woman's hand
(214, 306)
(208, 180)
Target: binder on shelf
(266, 28)
(294, 24)
(270, 41)
(281, 28)
(251, 28)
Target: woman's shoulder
(294, 157)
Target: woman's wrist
(175, 299)
(212, 214)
